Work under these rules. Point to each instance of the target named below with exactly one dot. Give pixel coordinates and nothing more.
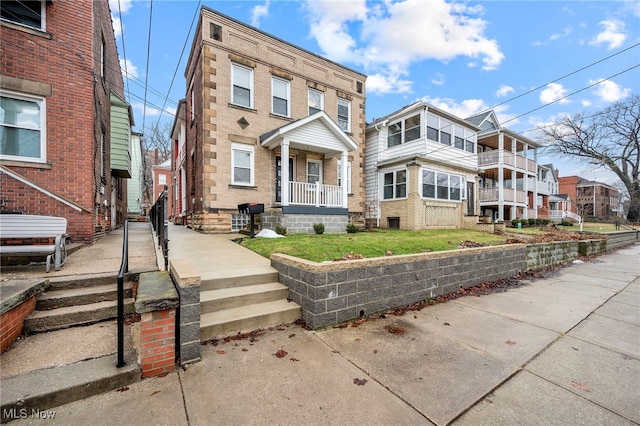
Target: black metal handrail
(124, 268)
(160, 220)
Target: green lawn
(327, 247)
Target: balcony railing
(488, 195)
(492, 158)
(315, 194)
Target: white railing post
(318, 192)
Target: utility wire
(184, 46)
(146, 82)
(560, 78)
(572, 93)
(124, 50)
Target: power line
(560, 78)
(179, 60)
(146, 82)
(571, 94)
(124, 51)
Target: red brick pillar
(157, 342)
(11, 322)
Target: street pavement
(561, 350)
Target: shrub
(318, 228)
(532, 222)
(351, 228)
(545, 222)
(515, 222)
(282, 230)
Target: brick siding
(12, 321)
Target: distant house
(267, 122)
(508, 167)
(546, 183)
(178, 163)
(421, 169)
(134, 185)
(593, 200)
(161, 179)
(65, 126)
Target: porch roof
(317, 132)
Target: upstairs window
(316, 101)
(22, 125)
(281, 93)
(242, 84)
(403, 131)
(344, 115)
(25, 12)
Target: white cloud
(258, 12)
(609, 91)
(117, 26)
(553, 92)
(118, 6)
(387, 37)
(613, 34)
(586, 103)
(438, 79)
(466, 108)
(130, 69)
(503, 91)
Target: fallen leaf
(581, 386)
(124, 389)
(220, 352)
(294, 359)
(281, 353)
(291, 336)
(510, 342)
(360, 382)
(375, 351)
(447, 324)
(394, 329)
(245, 350)
(155, 392)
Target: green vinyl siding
(120, 138)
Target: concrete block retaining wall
(303, 223)
(619, 239)
(187, 283)
(332, 293)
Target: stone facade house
(421, 170)
(266, 122)
(64, 125)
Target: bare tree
(156, 148)
(608, 139)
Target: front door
(471, 200)
(279, 176)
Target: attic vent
(216, 32)
(243, 123)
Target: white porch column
(284, 171)
(501, 177)
(344, 162)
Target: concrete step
(247, 318)
(89, 280)
(227, 298)
(31, 395)
(54, 298)
(55, 319)
(234, 278)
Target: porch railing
(315, 194)
(493, 195)
(160, 220)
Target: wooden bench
(27, 227)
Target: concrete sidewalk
(561, 350)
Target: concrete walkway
(562, 350)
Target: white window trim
(348, 175)
(288, 83)
(245, 148)
(395, 183)
(463, 186)
(403, 130)
(251, 83)
(43, 126)
(348, 105)
(321, 98)
(43, 19)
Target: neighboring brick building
(251, 100)
(161, 177)
(593, 200)
(65, 125)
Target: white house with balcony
(546, 184)
(421, 169)
(508, 168)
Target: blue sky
(463, 57)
